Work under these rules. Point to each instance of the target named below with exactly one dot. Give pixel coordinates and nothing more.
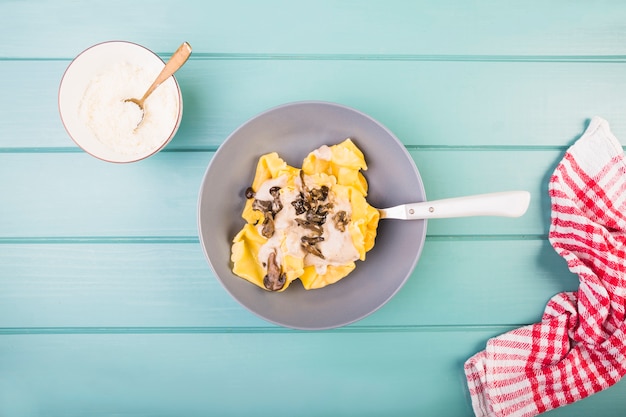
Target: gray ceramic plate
(293, 130)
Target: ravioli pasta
(310, 224)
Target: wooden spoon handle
(175, 62)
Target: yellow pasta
(310, 224)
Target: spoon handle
(175, 62)
(506, 204)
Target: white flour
(114, 122)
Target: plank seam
(114, 240)
(269, 56)
(7, 331)
(214, 148)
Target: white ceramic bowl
(108, 64)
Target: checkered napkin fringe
(579, 347)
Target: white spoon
(504, 204)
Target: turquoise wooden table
(107, 304)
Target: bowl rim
(414, 262)
(138, 157)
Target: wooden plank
(365, 27)
(246, 374)
(311, 374)
(426, 104)
(73, 194)
(473, 282)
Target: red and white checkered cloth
(579, 347)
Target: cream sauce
(337, 246)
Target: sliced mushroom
(305, 189)
(341, 220)
(313, 217)
(298, 205)
(262, 206)
(268, 225)
(323, 209)
(319, 194)
(277, 205)
(269, 210)
(274, 191)
(275, 279)
(312, 240)
(314, 227)
(309, 244)
(313, 250)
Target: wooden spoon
(175, 62)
